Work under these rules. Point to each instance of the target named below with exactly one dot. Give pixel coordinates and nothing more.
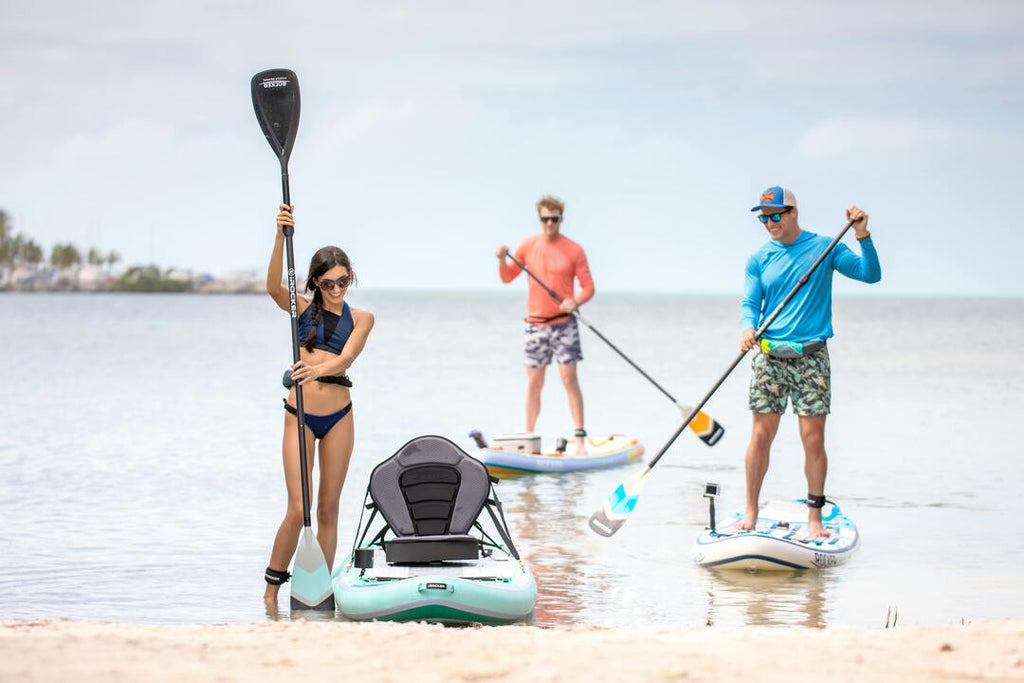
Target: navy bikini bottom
(321, 424)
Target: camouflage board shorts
(561, 342)
(805, 380)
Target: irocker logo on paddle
(278, 82)
(291, 292)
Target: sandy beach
(273, 651)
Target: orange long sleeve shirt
(557, 263)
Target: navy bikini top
(332, 330)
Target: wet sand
(274, 651)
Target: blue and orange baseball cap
(776, 197)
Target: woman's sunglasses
(775, 217)
(329, 285)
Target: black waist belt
(343, 380)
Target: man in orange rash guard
(551, 329)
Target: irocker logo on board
(437, 586)
(279, 82)
(824, 560)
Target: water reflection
(761, 598)
(542, 511)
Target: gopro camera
(710, 491)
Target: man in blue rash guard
(792, 361)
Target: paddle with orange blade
(702, 424)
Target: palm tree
(15, 249)
(32, 253)
(95, 258)
(113, 258)
(63, 256)
(6, 252)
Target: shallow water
(140, 453)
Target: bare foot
(815, 530)
(270, 601)
(748, 522)
(581, 446)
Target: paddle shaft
(757, 335)
(289, 251)
(593, 329)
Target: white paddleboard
(614, 450)
(779, 541)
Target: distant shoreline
(186, 292)
(144, 279)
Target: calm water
(140, 475)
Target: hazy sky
(430, 128)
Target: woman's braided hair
(323, 260)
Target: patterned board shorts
(805, 380)
(562, 342)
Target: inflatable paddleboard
(494, 589)
(428, 551)
(779, 541)
(612, 451)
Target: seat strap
(379, 538)
(486, 536)
(502, 526)
(373, 513)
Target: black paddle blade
(714, 433)
(275, 97)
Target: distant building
(93, 279)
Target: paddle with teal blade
(620, 504)
(703, 425)
(275, 97)
(311, 579)
(615, 511)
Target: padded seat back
(430, 487)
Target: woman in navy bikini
(331, 336)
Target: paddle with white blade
(275, 97)
(610, 517)
(702, 424)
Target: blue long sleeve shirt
(775, 269)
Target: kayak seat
(430, 493)
(415, 549)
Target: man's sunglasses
(550, 219)
(775, 217)
(329, 285)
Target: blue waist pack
(788, 349)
